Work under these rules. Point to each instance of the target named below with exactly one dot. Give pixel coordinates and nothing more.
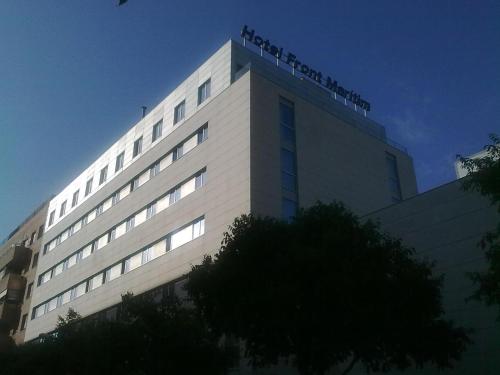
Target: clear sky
(74, 74)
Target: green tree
(147, 338)
(484, 177)
(324, 290)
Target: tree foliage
(324, 290)
(484, 177)
(148, 338)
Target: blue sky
(74, 74)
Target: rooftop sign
(315, 75)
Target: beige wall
(335, 160)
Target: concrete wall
(445, 225)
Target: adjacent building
(239, 135)
(18, 261)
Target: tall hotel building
(239, 135)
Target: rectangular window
(130, 223)
(200, 179)
(114, 272)
(104, 175)
(115, 198)
(137, 147)
(204, 91)
(112, 235)
(71, 261)
(174, 196)
(35, 260)
(74, 201)
(394, 183)
(288, 170)
(134, 184)
(119, 161)
(23, 322)
(51, 217)
(179, 112)
(29, 290)
(157, 129)
(151, 211)
(32, 239)
(88, 187)
(85, 220)
(177, 153)
(96, 281)
(59, 268)
(79, 290)
(62, 211)
(40, 232)
(202, 134)
(154, 170)
(99, 209)
(288, 209)
(133, 262)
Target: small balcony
(16, 258)
(12, 288)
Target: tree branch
(351, 365)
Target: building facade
(239, 135)
(18, 262)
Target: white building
(239, 135)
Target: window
(115, 198)
(157, 128)
(51, 217)
(154, 170)
(23, 322)
(179, 112)
(288, 170)
(200, 179)
(177, 153)
(202, 134)
(74, 202)
(130, 224)
(32, 239)
(40, 232)
(289, 209)
(79, 290)
(137, 147)
(394, 183)
(104, 175)
(59, 268)
(151, 210)
(204, 91)
(35, 260)
(175, 196)
(88, 187)
(133, 262)
(287, 121)
(99, 210)
(112, 235)
(29, 290)
(62, 211)
(119, 161)
(114, 272)
(85, 220)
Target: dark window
(29, 289)
(137, 147)
(177, 153)
(76, 194)
(99, 210)
(88, 187)
(32, 238)
(154, 170)
(179, 112)
(157, 129)
(119, 161)
(35, 260)
(23, 322)
(40, 232)
(394, 183)
(104, 175)
(289, 209)
(62, 211)
(202, 134)
(51, 217)
(204, 91)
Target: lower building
(445, 225)
(18, 261)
